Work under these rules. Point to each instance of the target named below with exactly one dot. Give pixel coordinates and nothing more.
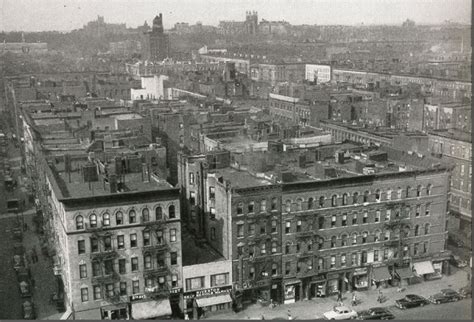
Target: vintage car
(446, 295)
(411, 300)
(28, 309)
(465, 292)
(24, 282)
(376, 313)
(340, 313)
(457, 261)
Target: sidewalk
(314, 309)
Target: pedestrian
(339, 296)
(262, 318)
(380, 297)
(186, 316)
(354, 299)
(290, 317)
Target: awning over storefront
(381, 274)
(423, 268)
(87, 315)
(150, 309)
(214, 300)
(404, 273)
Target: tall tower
(156, 41)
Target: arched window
(159, 213)
(408, 191)
(355, 198)
(406, 231)
(274, 203)
(389, 194)
(365, 236)
(93, 220)
(146, 215)
(417, 230)
(274, 269)
(321, 222)
(288, 205)
(321, 202)
(378, 195)
(399, 193)
(263, 205)
(366, 196)
(106, 219)
(344, 199)
(354, 238)
(320, 242)
(119, 218)
(132, 217)
(310, 203)
(171, 211)
(344, 240)
(418, 191)
(251, 207)
(333, 241)
(429, 187)
(427, 229)
(377, 235)
(240, 208)
(79, 222)
(274, 247)
(320, 263)
(334, 200)
(299, 204)
(387, 235)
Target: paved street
(313, 309)
(461, 310)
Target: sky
(65, 15)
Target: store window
(219, 279)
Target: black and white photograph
(235, 160)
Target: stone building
(156, 42)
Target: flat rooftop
(130, 116)
(195, 252)
(453, 134)
(241, 179)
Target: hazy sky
(36, 15)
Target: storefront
(424, 269)
(404, 275)
(332, 285)
(317, 286)
(380, 276)
(207, 302)
(144, 308)
(292, 291)
(360, 279)
(115, 312)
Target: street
(451, 311)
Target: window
(377, 195)
(159, 237)
(174, 258)
(119, 218)
(287, 248)
(251, 229)
(354, 218)
(344, 240)
(354, 259)
(146, 215)
(263, 227)
(364, 257)
(213, 233)
(171, 211)
(354, 238)
(310, 203)
(122, 268)
(274, 247)
(252, 272)
(406, 231)
(385, 254)
(263, 205)
(274, 226)
(109, 289)
(135, 287)
(133, 240)
(274, 204)
(212, 192)
(429, 189)
(81, 246)
(405, 251)
(263, 249)
(123, 288)
(159, 213)
(425, 247)
(344, 220)
(427, 229)
(106, 219)
(334, 200)
(333, 241)
(399, 193)
(298, 226)
(343, 259)
(160, 260)
(107, 243)
(377, 216)
(365, 218)
(134, 264)
(147, 261)
(146, 238)
(355, 198)
(287, 268)
(333, 221)
(333, 261)
(274, 269)
(417, 230)
(109, 266)
(120, 242)
(377, 235)
(427, 209)
(417, 211)
(97, 292)
(240, 230)
(84, 294)
(82, 270)
(79, 222)
(366, 196)
(321, 202)
(418, 191)
(407, 192)
(94, 245)
(321, 222)
(251, 207)
(344, 199)
(172, 235)
(388, 213)
(96, 269)
(93, 220)
(299, 204)
(219, 279)
(174, 280)
(288, 206)
(320, 264)
(376, 255)
(191, 178)
(287, 227)
(364, 237)
(240, 208)
(132, 217)
(389, 194)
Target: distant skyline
(66, 15)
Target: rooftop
(454, 134)
(241, 179)
(195, 252)
(129, 116)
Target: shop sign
(360, 271)
(293, 281)
(207, 292)
(137, 297)
(318, 278)
(176, 290)
(263, 283)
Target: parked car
(340, 313)
(411, 300)
(455, 241)
(24, 281)
(28, 309)
(458, 262)
(376, 313)
(445, 296)
(465, 292)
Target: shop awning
(381, 274)
(404, 273)
(150, 309)
(423, 268)
(214, 300)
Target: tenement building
(308, 223)
(118, 235)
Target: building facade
(157, 46)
